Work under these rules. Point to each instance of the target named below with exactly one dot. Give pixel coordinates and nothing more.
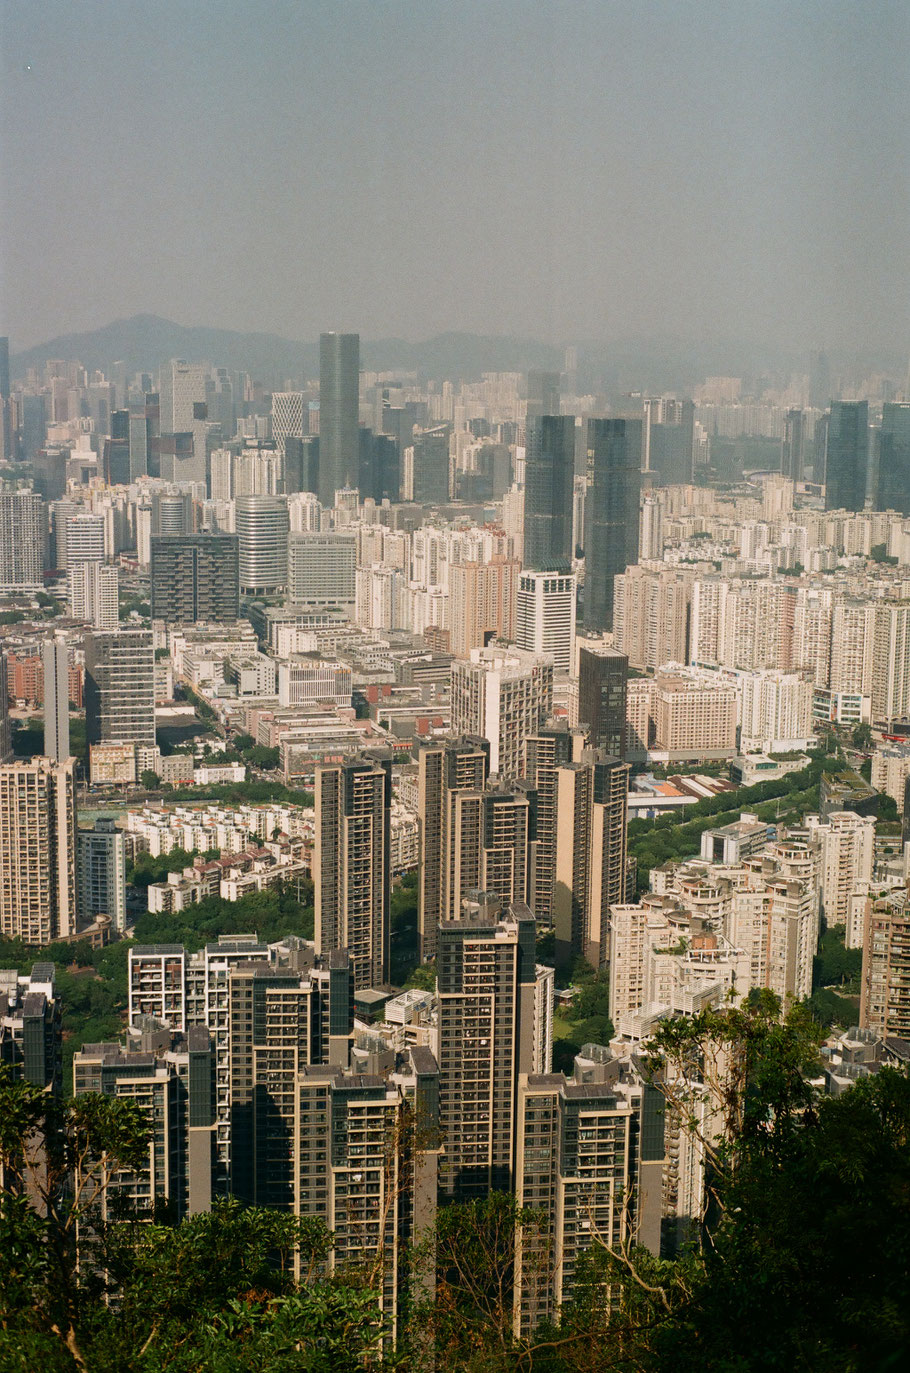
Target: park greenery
(670, 837)
(797, 1262)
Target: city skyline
(688, 175)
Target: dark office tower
(32, 426)
(386, 469)
(351, 862)
(120, 687)
(195, 577)
(543, 394)
(4, 368)
(378, 476)
(820, 392)
(486, 986)
(793, 446)
(546, 751)
(611, 513)
(31, 1040)
(847, 456)
(301, 464)
(549, 491)
(590, 861)
(116, 454)
(339, 414)
(668, 439)
(603, 676)
(425, 468)
(444, 767)
(153, 434)
(893, 484)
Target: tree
(149, 779)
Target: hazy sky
(580, 170)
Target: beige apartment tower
(38, 850)
(351, 863)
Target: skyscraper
(611, 512)
(482, 603)
(339, 413)
(56, 700)
(503, 695)
(101, 868)
(181, 396)
(543, 394)
(287, 417)
(549, 749)
(445, 766)
(262, 524)
(93, 594)
(794, 445)
(486, 987)
(22, 539)
(590, 854)
(352, 862)
(892, 490)
(195, 577)
(603, 675)
(38, 850)
(549, 491)
(847, 455)
(6, 743)
(545, 616)
(120, 688)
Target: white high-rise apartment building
(377, 596)
(775, 710)
(545, 619)
(92, 589)
(847, 843)
(852, 631)
(891, 661)
(504, 695)
(652, 532)
(22, 534)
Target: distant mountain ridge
(633, 363)
(143, 342)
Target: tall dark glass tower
(892, 487)
(847, 455)
(339, 413)
(793, 446)
(549, 485)
(603, 676)
(611, 512)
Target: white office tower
(504, 695)
(652, 529)
(93, 594)
(262, 527)
(56, 700)
(21, 542)
(80, 539)
(322, 568)
(545, 622)
(181, 395)
(287, 417)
